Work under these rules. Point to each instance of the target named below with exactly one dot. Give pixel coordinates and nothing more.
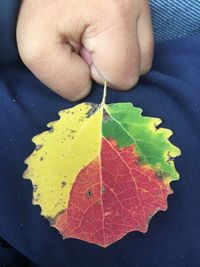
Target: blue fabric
(9, 257)
(170, 91)
(173, 19)
(8, 17)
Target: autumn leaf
(101, 171)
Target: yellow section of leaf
(70, 145)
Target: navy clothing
(8, 16)
(9, 257)
(173, 19)
(170, 91)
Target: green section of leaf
(127, 126)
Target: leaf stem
(104, 93)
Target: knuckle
(147, 65)
(129, 80)
(73, 96)
(125, 76)
(132, 77)
(147, 58)
(146, 68)
(148, 50)
(31, 53)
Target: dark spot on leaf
(106, 116)
(63, 184)
(36, 198)
(70, 136)
(35, 187)
(161, 175)
(102, 190)
(92, 110)
(140, 160)
(38, 147)
(53, 220)
(89, 193)
(170, 158)
(51, 130)
(41, 159)
(81, 118)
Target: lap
(170, 91)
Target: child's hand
(66, 42)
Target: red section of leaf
(112, 196)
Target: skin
(67, 43)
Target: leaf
(102, 171)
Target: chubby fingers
(115, 56)
(51, 59)
(61, 69)
(121, 45)
(66, 50)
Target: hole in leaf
(89, 193)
